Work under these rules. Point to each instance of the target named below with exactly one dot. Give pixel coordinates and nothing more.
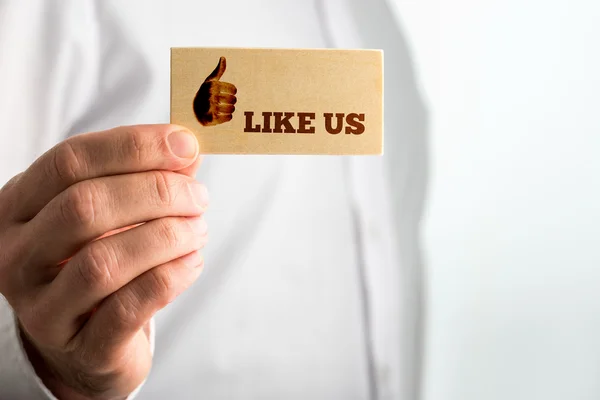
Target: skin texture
(97, 235)
(214, 101)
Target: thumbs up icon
(214, 101)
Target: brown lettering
(267, 122)
(305, 121)
(354, 120)
(249, 128)
(339, 126)
(279, 122)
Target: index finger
(121, 150)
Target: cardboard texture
(275, 101)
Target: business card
(279, 101)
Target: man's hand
(214, 101)
(84, 297)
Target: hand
(84, 298)
(214, 102)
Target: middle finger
(106, 265)
(91, 208)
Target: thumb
(219, 71)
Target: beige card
(272, 101)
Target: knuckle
(14, 256)
(214, 89)
(34, 321)
(135, 145)
(66, 163)
(96, 266)
(87, 356)
(163, 188)
(124, 309)
(80, 205)
(143, 146)
(162, 287)
(169, 233)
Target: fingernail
(200, 194)
(199, 226)
(183, 144)
(193, 260)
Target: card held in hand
(279, 101)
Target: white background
(512, 227)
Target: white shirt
(312, 282)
